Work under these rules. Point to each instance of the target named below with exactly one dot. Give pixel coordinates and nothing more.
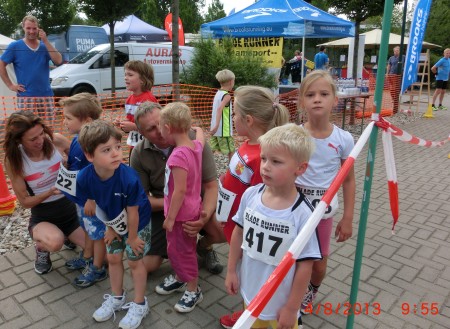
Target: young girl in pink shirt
(182, 203)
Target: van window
(83, 57)
(121, 57)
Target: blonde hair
(295, 139)
(82, 106)
(310, 79)
(224, 76)
(95, 133)
(145, 71)
(177, 115)
(30, 18)
(259, 103)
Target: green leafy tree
(438, 27)
(190, 15)
(209, 58)
(150, 12)
(215, 11)
(8, 25)
(396, 21)
(109, 12)
(358, 11)
(155, 12)
(53, 16)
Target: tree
(358, 11)
(438, 26)
(155, 12)
(215, 11)
(190, 15)
(209, 58)
(151, 12)
(8, 24)
(109, 12)
(53, 16)
(396, 21)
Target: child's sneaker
(229, 320)
(169, 286)
(442, 107)
(189, 300)
(435, 108)
(79, 262)
(109, 307)
(134, 315)
(43, 263)
(90, 275)
(310, 295)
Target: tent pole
(303, 57)
(384, 44)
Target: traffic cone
(429, 112)
(7, 200)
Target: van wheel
(83, 89)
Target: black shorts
(61, 213)
(441, 84)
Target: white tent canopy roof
(5, 40)
(373, 39)
(4, 91)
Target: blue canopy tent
(134, 29)
(279, 18)
(275, 18)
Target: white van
(91, 71)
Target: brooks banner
(416, 35)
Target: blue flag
(417, 32)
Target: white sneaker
(188, 301)
(134, 315)
(109, 307)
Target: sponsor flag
(168, 28)
(416, 35)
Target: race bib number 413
(266, 239)
(118, 224)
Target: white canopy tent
(4, 91)
(373, 39)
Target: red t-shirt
(243, 172)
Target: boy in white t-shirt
(269, 218)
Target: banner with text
(267, 49)
(416, 35)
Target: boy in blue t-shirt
(123, 206)
(442, 71)
(78, 110)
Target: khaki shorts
(224, 145)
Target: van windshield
(84, 57)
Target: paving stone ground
(398, 271)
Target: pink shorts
(324, 230)
(182, 252)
